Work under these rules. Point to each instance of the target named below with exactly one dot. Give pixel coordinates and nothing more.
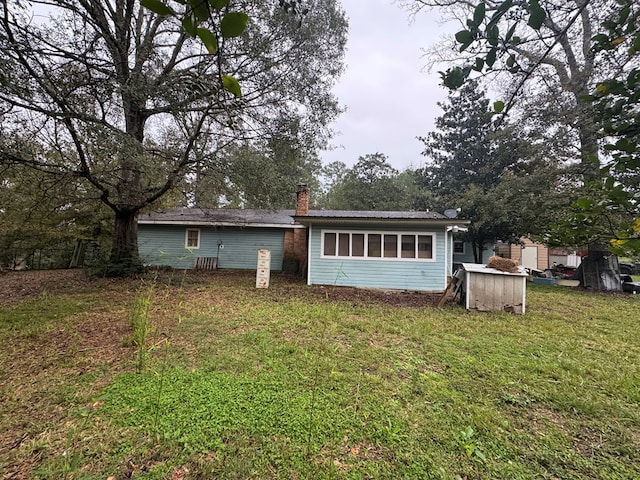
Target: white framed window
(458, 247)
(192, 238)
(401, 246)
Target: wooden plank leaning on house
(206, 263)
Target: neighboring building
(563, 256)
(396, 250)
(527, 253)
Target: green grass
(283, 383)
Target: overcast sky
(390, 99)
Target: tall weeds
(141, 322)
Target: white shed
(487, 289)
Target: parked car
(628, 285)
(627, 268)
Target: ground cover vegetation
(310, 382)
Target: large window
(192, 238)
(374, 245)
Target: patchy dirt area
(18, 286)
(394, 298)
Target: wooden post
(447, 293)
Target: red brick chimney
(302, 199)
(295, 239)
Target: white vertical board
(529, 257)
(264, 268)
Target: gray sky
(390, 100)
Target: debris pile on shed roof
(503, 264)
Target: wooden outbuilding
(488, 289)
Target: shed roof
(481, 268)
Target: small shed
(488, 289)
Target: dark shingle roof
(220, 216)
(285, 218)
(365, 214)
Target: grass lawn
(304, 382)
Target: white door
(529, 257)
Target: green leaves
(209, 39)
(465, 37)
(498, 106)
(189, 26)
(233, 24)
(200, 9)
(537, 15)
(491, 57)
(219, 4)
(479, 13)
(157, 6)
(232, 85)
(455, 77)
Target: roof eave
(204, 223)
(445, 222)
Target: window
(192, 238)
(343, 245)
(390, 246)
(357, 244)
(458, 246)
(425, 246)
(330, 244)
(408, 246)
(373, 245)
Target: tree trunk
(589, 153)
(588, 134)
(124, 259)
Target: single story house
(184, 237)
(395, 250)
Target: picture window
(373, 245)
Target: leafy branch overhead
(572, 41)
(225, 24)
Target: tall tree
(124, 98)
(545, 41)
(608, 100)
(496, 178)
(256, 174)
(371, 184)
(460, 150)
(40, 211)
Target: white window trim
(464, 247)
(186, 238)
(397, 258)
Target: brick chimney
(295, 239)
(302, 199)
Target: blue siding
(164, 245)
(379, 273)
(467, 256)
